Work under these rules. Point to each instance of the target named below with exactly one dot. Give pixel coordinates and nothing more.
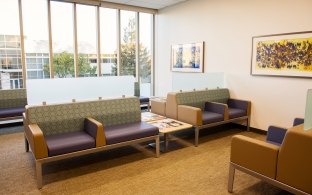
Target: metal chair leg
(231, 178)
(157, 142)
(26, 144)
(39, 174)
(196, 136)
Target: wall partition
(74, 38)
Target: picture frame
(285, 55)
(187, 57)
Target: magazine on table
(148, 116)
(166, 123)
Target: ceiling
(154, 4)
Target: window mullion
(50, 41)
(24, 74)
(137, 47)
(118, 42)
(98, 40)
(75, 40)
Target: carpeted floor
(184, 169)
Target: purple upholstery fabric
(235, 113)
(69, 142)
(144, 99)
(213, 107)
(211, 117)
(11, 112)
(275, 135)
(298, 121)
(121, 133)
(90, 128)
(239, 104)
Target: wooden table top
(165, 125)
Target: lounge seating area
(145, 97)
(203, 108)
(59, 131)
(282, 160)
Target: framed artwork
(187, 57)
(288, 54)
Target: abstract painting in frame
(288, 54)
(187, 57)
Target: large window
(63, 37)
(145, 55)
(68, 39)
(86, 36)
(108, 18)
(127, 43)
(11, 76)
(36, 38)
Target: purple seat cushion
(126, 132)
(144, 99)
(211, 117)
(11, 112)
(235, 113)
(69, 142)
(298, 121)
(275, 135)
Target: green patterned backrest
(13, 98)
(62, 118)
(198, 98)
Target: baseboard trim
(256, 130)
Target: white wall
(227, 27)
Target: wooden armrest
(96, 130)
(36, 141)
(189, 114)
(255, 155)
(158, 107)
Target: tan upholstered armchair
(287, 166)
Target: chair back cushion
(195, 99)
(69, 117)
(13, 98)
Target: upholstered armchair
(276, 134)
(287, 166)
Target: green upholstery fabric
(198, 98)
(13, 98)
(62, 118)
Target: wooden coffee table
(165, 125)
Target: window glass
(108, 18)
(62, 36)
(128, 43)
(86, 36)
(145, 55)
(10, 51)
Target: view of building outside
(36, 36)
(10, 52)
(36, 42)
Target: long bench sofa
(203, 108)
(12, 103)
(60, 131)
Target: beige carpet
(184, 169)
